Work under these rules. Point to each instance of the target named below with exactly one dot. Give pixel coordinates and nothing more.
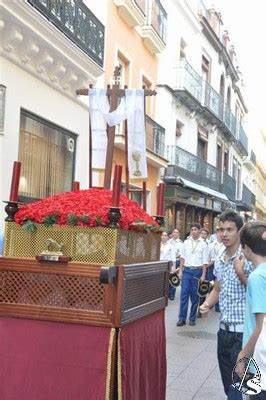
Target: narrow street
(192, 366)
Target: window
(183, 46)
(219, 157)
(201, 149)
(123, 64)
(234, 168)
(134, 196)
(228, 97)
(238, 181)
(47, 154)
(178, 128)
(239, 118)
(226, 161)
(222, 86)
(206, 68)
(202, 144)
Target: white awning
(203, 189)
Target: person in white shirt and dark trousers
(167, 250)
(177, 244)
(193, 264)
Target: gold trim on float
(109, 364)
(97, 245)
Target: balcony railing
(205, 97)
(77, 22)
(191, 167)
(243, 139)
(155, 136)
(212, 100)
(189, 80)
(157, 17)
(228, 186)
(247, 196)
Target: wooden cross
(114, 93)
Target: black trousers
(228, 346)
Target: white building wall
(27, 92)
(41, 69)
(183, 22)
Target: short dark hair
(205, 230)
(195, 225)
(253, 234)
(232, 216)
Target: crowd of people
(234, 259)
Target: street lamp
(2, 107)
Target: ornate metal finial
(117, 75)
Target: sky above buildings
(245, 22)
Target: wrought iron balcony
(247, 196)
(212, 100)
(189, 86)
(228, 186)
(191, 167)
(248, 199)
(77, 22)
(243, 140)
(198, 95)
(155, 136)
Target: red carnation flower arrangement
(84, 208)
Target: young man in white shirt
(193, 264)
(177, 244)
(167, 251)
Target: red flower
(89, 206)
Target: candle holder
(159, 219)
(11, 208)
(114, 216)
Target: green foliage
(72, 219)
(84, 218)
(29, 226)
(51, 219)
(143, 227)
(98, 220)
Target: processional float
(82, 305)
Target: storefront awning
(202, 189)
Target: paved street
(191, 358)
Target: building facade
(48, 51)
(260, 176)
(135, 36)
(195, 125)
(202, 108)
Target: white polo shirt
(194, 252)
(167, 252)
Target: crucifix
(114, 93)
